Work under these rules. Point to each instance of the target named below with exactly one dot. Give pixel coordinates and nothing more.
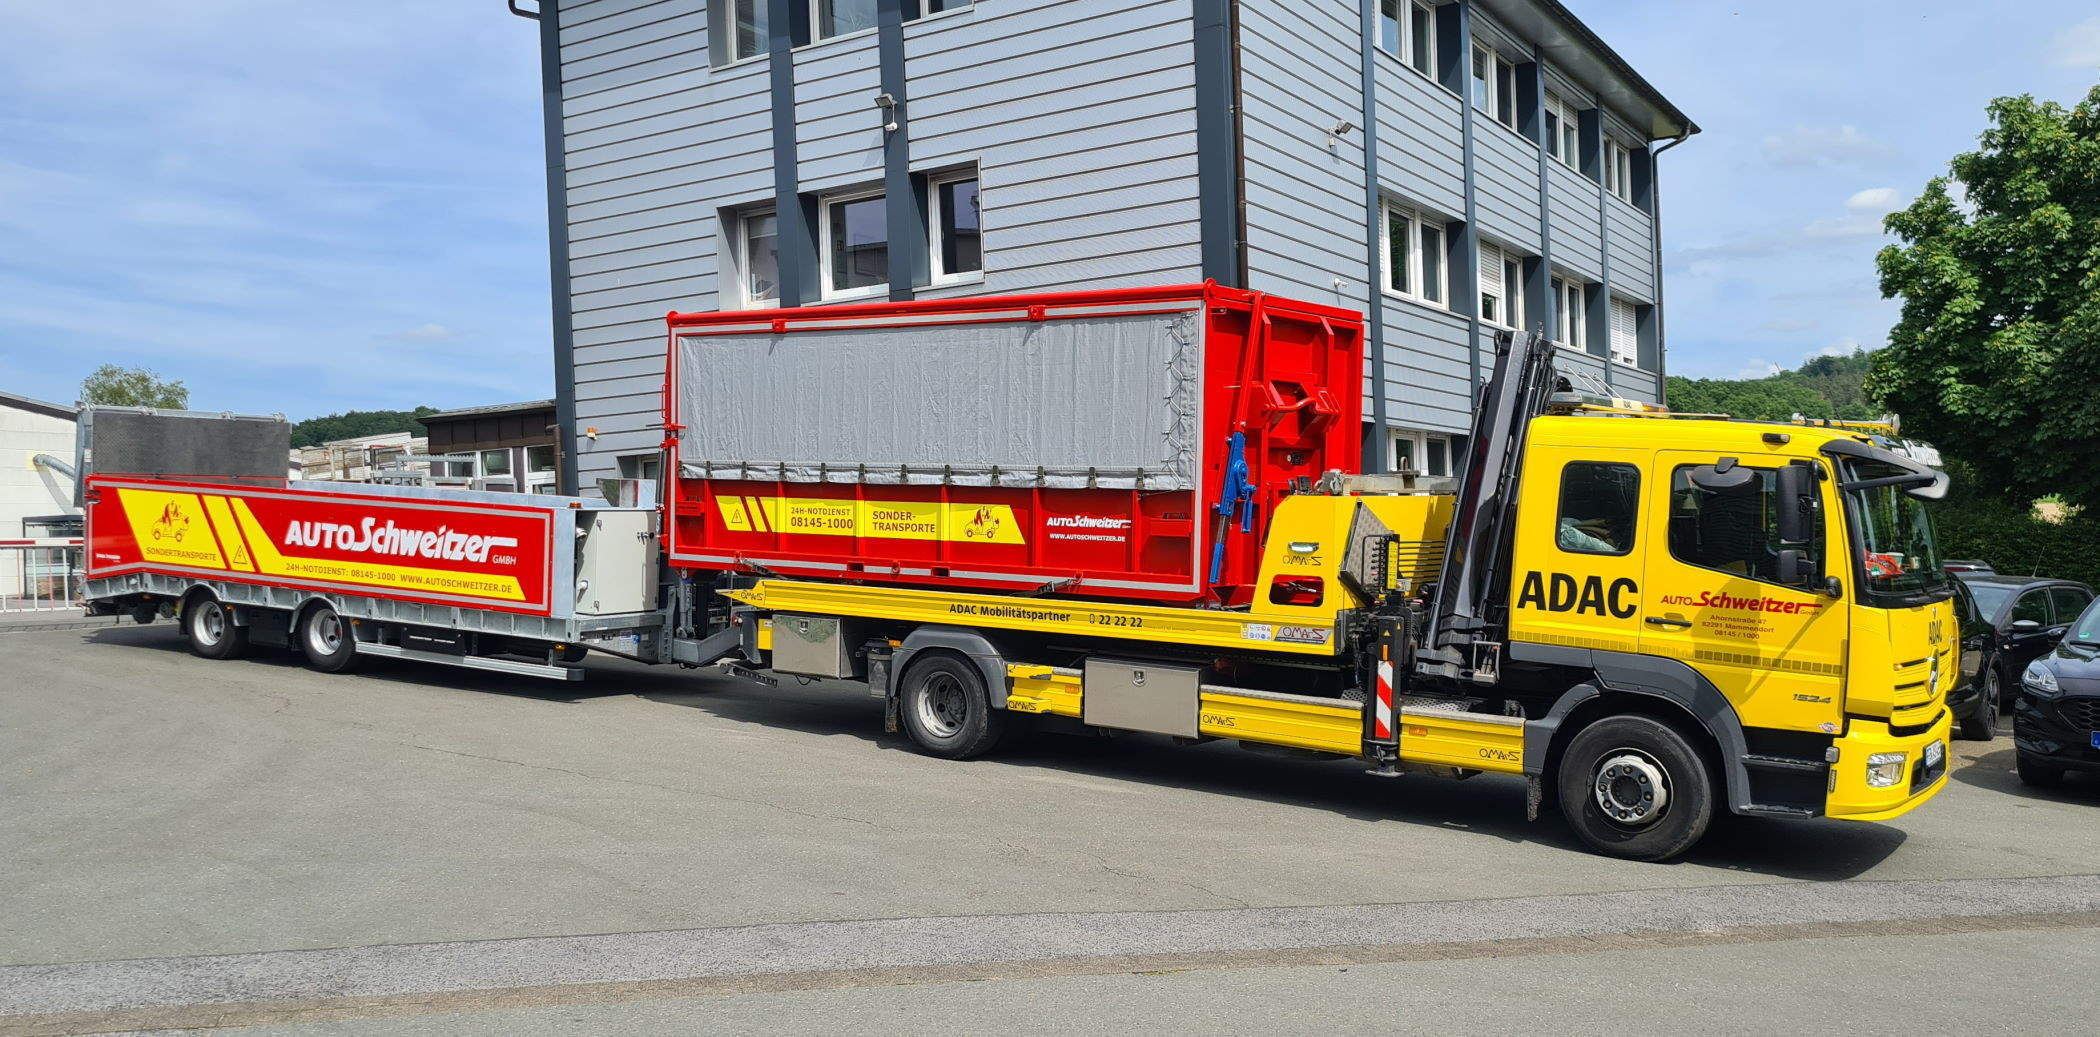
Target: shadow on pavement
(1992, 769)
(1490, 805)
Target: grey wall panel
(1508, 184)
(1421, 154)
(1428, 381)
(581, 23)
(838, 129)
(1304, 199)
(1632, 249)
(1576, 244)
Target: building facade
(1448, 168)
(36, 500)
(508, 446)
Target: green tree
(1825, 387)
(351, 424)
(115, 386)
(1996, 357)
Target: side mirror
(1722, 476)
(1796, 492)
(2025, 626)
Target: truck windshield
(1900, 558)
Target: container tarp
(1071, 402)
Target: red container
(1075, 441)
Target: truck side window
(1734, 531)
(1597, 506)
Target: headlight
(2039, 680)
(1885, 769)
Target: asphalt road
(189, 843)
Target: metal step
(1763, 761)
(514, 667)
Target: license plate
(2096, 739)
(1937, 751)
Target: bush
(2014, 541)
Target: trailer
(1141, 512)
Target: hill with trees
(1824, 387)
(354, 423)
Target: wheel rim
(943, 705)
(1987, 710)
(325, 632)
(211, 623)
(1631, 788)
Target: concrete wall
(23, 488)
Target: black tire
(1659, 783)
(946, 710)
(211, 631)
(2037, 773)
(326, 640)
(1981, 725)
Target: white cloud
(1756, 369)
(2077, 46)
(1824, 146)
(1874, 199)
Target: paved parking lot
(532, 856)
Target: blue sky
(312, 207)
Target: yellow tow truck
(1650, 617)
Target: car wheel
(1981, 725)
(2037, 773)
(211, 630)
(1635, 787)
(945, 709)
(326, 639)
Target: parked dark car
(2006, 623)
(2056, 713)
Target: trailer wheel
(946, 710)
(326, 640)
(1635, 787)
(211, 630)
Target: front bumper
(1852, 799)
(2046, 728)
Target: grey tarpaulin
(1071, 402)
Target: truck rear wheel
(1635, 787)
(211, 630)
(945, 708)
(325, 638)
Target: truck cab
(1771, 592)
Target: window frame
(1417, 222)
(1618, 170)
(1500, 83)
(1563, 130)
(1817, 551)
(1633, 515)
(730, 49)
(816, 22)
(825, 265)
(1418, 442)
(937, 274)
(1570, 323)
(744, 265)
(1632, 358)
(1415, 50)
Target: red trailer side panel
(487, 556)
(1286, 377)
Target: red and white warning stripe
(1382, 720)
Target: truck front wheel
(945, 709)
(1635, 787)
(325, 638)
(211, 630)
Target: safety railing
(40, 574)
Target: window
(748, 38)
(1734, 530)
(1501, 287)
(1568, 318)
(1407, 30)
(958, 229)
(495, 462)
(1421, 452)
(2069, 602)
(856, 246)
(1618, 170)
(539, 459)
(641, 466)
(1494, 85)
(1414, 256)
(2032, 605)
(758, 259)
(1563, 130)
(1597, 507)
(1625, 338)
(839, 17)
